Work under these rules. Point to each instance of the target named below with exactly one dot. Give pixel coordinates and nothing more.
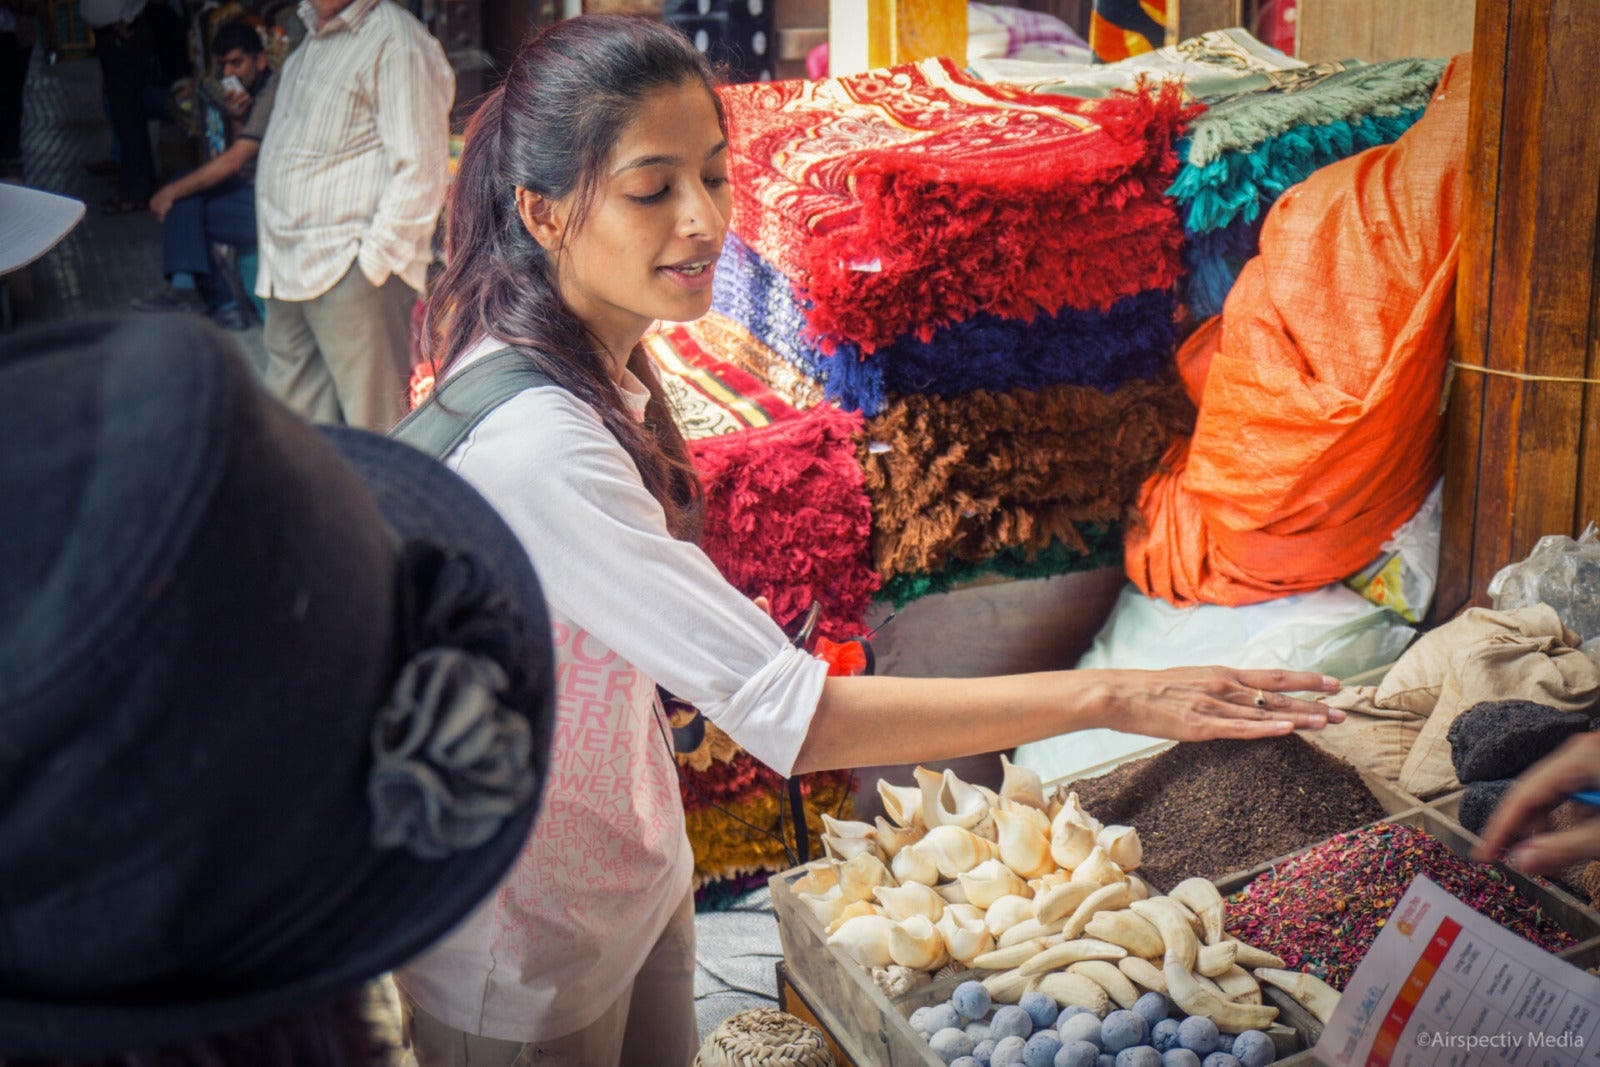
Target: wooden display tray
(871, 1028)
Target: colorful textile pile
(1248, 147)
(988, 275)
(1320, 428)
(906, 199)
(787, 518)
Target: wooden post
(868, 34)
(1522, 457)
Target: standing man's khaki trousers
(344, 356)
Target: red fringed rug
(901, 199)
(787, 515)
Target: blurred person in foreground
(275, 708)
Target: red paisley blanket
(903, 199)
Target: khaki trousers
(652, 1023)
(344, 356)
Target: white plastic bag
(1404, 576)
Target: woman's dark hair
(237, 34)
(550, 128)
(338, 1033)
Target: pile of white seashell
(1035, 890)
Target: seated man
(216, 202)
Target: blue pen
(1590, 797)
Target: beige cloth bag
(1481, 654)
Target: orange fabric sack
(1319, 385)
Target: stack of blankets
(987, 277)
(1249, 146)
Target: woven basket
(764, 1037)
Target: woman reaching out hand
(592, 199)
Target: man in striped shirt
(350, 182)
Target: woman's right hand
(1202, 703)
(1523, 813)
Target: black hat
(275, 701)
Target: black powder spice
(1208, 808)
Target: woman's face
(647, 247)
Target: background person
(125, 45)
(216, 203)
(591, 200)
(275, 707)
(352, 175)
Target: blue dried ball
(1106, 1060)
(1123, 1029)
(1254, 1049)
(1083, 1027)
(1009, 1052)
(919, 1019)
(965, 1061)
(1078, 1054)
(1069, 1011)
(1153, 1006)
(1219, 1059)
(950, 1044)
(1179, 1057)
(1198, 1034)
(1041, 1008)
(1164, 1035)
(1010, 1021)
(983, 1050)
(1225, 1043)
(1139, 1056)
(1042, 1048)
(941, 1017)
(978, 1029)
(971, 1000)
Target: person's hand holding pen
(1521, 821)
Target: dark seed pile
(1209, 808)
(1503, 738)
(1322, 909)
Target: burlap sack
(1524, 654)
(1414, 682)
(1372, 738)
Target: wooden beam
(1521, 454)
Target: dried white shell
(820, 876)
(860, 875)
(991, 880)
(1021, 784)
(1023, 848)
(1097, 869)
(914, 864)
(1070, 842)
(955, 850)
(865, 939)
(915, 943)
(903, 901)
(948, 801)
(826, 906)
(854, 909)
(1122, 845)
(902, 804)
(965, 939)
(848, 848)
(892, 838)
(1007, 912)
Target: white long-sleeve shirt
(608, 860)
(356, 162)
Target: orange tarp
(1318, 387)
